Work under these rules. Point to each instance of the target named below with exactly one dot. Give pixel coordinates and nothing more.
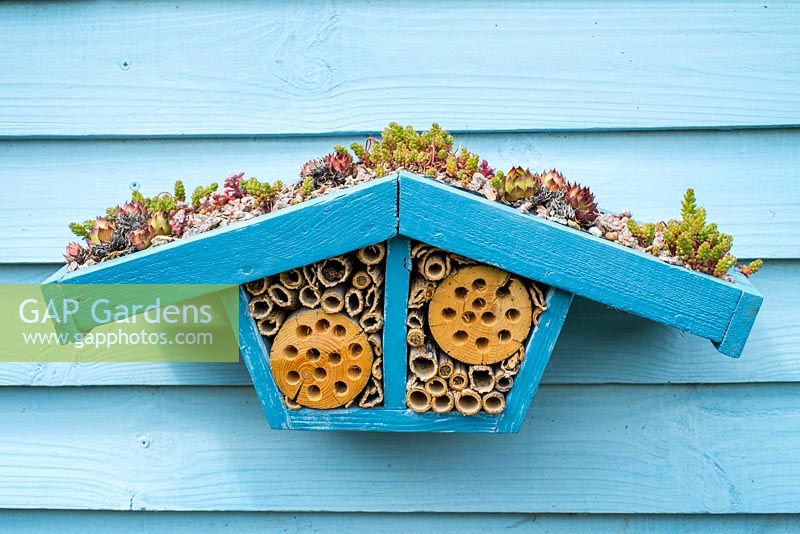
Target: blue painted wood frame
(578, 262)
(393, 416)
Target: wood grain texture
(735, 174)
(398, 274)
(282, 240)
(597, 345)
(79, 522)
(623, 449)
(573, 260)
(199, 68)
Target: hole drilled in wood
(355, 350)
(320, 373)
(293, 377)
(482, 343)
(461, 293)
(354, 371)
(339, 331)
(303, 330)
(449, 314)
(479, 284)
(290, 351)
(339, 387)
(322, 325)
(513, 315)
(314, 393)
(488, 318)
(468, 317)
(313, 354)
(460, 337)
(335, 358)
(504, 336)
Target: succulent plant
(179, 191)
(159, 224)
(582, 202)
(82, 229)
(133, 209)
(231, 189)
(102, 231)
(751, 268)
(202, 192)
(262, 192)
(517, 184)
(141, 239)
(552, 180)
(486, 170)
(74, 252)
(339, 162)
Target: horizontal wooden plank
(197, 68)
(80, 522)
(282, 240)
(616, 449)
(735, 174)
(598, 345)
(575, 261)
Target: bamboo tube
(292, 279)
(310, 274)
(446, 366)
(376, 273)
(373, 394)
(260, 306)
(415, 337)
(370, 298)
(371, 322)
(493, 402)
(436, 386)
(377, 344)
(435, 266)
(332, 299)
(353, 302)
(290, 403)
(459, 379)
(283, 296)
(377, 303)
(361, 280)
(503, 380)
(372, 255)
(377, 368)
(468, 402)
(461, 260)
(257, 287)
(422, 361)
(417, 398)
(420, 293)
(269, 325)
(419, 249)
(309, 296)
(334, 271)
(537, 296)
(481, 378)
(443, 403)
(415, 318)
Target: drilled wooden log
(269, 325)
(332, 299)
(417, 398)
(353, 302)
(446, 365)
(361, 280)
(503, 380)
(493, 402)
(260, 306)
(459, 379)
(372, 394)
(371, 322)
(468, 402)
(372, 255)
(292, 279)
(257, 287)
(422, 361)
(320, 360)
(377, 368)
(415, 318)
(435, 266)
(309, 296)
(480, 315)
(377, 344)
(443, 403)
(436, 386)
(415, 337)
(481, 378)
(334, 271)
(421, 292)
(283, 296)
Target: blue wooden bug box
(398, 212)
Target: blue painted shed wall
(633, 419)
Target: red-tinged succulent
(552, 180)
(102, 231)
(74, 252)
(486, 170)
(159, 224)
(232, 188)
(339, 162)
(582, 201)
(517, 184)
(141, 239)
(179, 219)
(133, 209)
